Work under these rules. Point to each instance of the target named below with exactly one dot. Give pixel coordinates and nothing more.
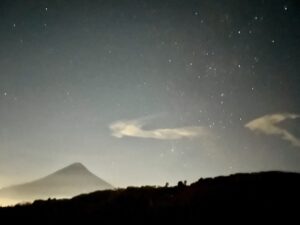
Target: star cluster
(145, 92)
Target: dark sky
(145, 92)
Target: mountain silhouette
(264, 196)
(64, 183)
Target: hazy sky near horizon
(145, 92)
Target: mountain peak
(67, 182)
(76, 165)
(76, 168)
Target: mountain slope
(67, 182)
(267, 195)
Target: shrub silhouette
(266, 194)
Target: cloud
(268, 125)
(134, 128)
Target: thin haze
(148, 92)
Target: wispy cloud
(268, 125)
(134, 128)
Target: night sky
(148, 92)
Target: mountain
(64, 183)
(255, 197)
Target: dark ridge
(255, 196)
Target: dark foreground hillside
(246, 196)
